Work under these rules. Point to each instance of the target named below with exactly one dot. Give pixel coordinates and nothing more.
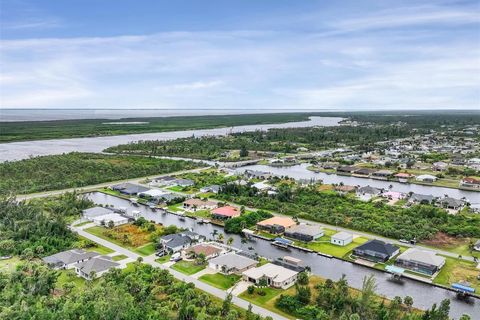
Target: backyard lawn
(175, 189)
(323, 245)
(456, 270)
(219, 280)
(188, 267)
(69, 276)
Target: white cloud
(253, 69)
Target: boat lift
(463, 290)
(282, 243)
(396, 272)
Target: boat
(282, 243)
(134, 201)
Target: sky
(240, 54)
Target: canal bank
(424, 295)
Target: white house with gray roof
(94, 212)
(276, 276)
(231, 263)
(67, 259)
(95, 267)
(422, 261)
(341, 238)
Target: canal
(424, 295)
(300, 171)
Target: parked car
(176, 257)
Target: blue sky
(249, 54)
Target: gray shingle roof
(378, 246)
(96, 212)
(233, 261)
(69, 257)
(97, 265)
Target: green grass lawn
(175, 188)
(323, 244)
(97, 248)
(119, 257)
(9, 265)
(69, 276)
(199, 214)
(81, 223)
(163, 259)
(146, 250)
(187, 267)
(219, 280)
(456, 270)
(176, 207)
(270, 293)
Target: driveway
(180, 276)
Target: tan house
(195, 204)
(276, 224)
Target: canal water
(301, 172)
(424, 295)
(22, 150)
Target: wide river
(301, 172)
(23, 150)
(424, 295)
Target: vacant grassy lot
(456, 270)
(96, 247)
(188, 267)
(219, 280)
(128, 236)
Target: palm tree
(230, 241)
(214, 233)
(220, 237)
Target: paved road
(101, 185)
(180, 276)
(137, 180)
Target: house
(376, 250)
(129, 189)
(209, 250)
(452, 203)
(231, 263)
(94, 212)
(214, 188)
(168, 197)
(363, 172)
(304, 232)
(393, 195)
(276, 276)
(226, 212)
(422, 261)
(382, 174)
(276, 224)
(107, 219)
(367, 192)
(345, 189)
(346, 169)
(253, 174)
(470, 183)
(67, 259)
(403, 177)
(152, 194)
(163, 181)
(194, 204)
(179, 241)
(341, 238)
(95, 267)
(421, 198)
(183, 182)
(426, 178)
(439, 166)
(262, 186)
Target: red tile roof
(227, 211)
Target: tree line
(79, 169)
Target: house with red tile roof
(226, 212)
